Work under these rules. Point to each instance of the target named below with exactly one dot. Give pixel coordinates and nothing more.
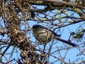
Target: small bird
(45, 35)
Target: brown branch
(55, 3)
(65, 3)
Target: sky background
(71, 55)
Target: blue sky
(65, 35)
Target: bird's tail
(65, 41)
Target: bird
(45, 35)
